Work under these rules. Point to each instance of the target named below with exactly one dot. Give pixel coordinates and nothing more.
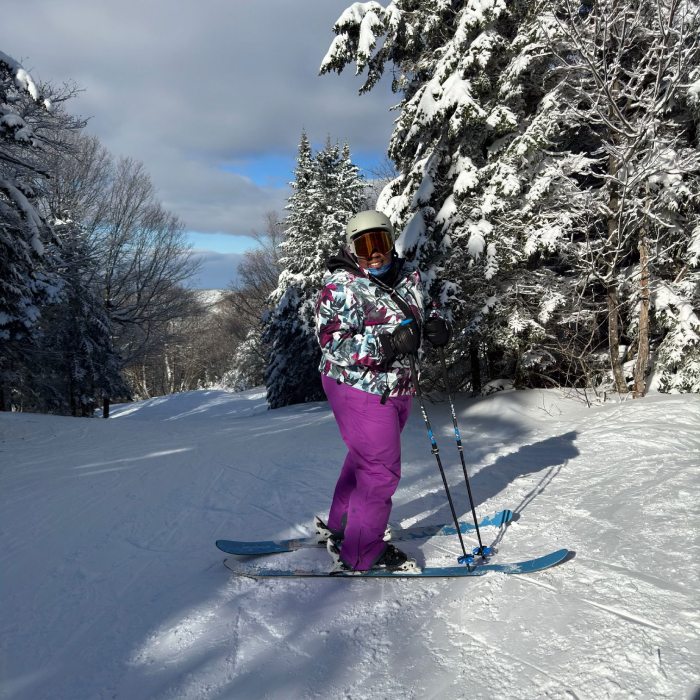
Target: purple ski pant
(371, 471)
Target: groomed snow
(112, 587)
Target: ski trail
(623, 614)
(659, 583)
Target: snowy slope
(112, 588)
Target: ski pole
(466, 559)
(481, 550)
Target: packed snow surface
(112, 587)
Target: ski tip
(558, 557)
(570, 554)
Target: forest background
(543, 173)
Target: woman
(369, 316)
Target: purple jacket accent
(351, 311)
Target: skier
(369, 318)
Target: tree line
(548, 186)
(92, 267)
(93, 302)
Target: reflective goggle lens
(366, 243)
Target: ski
(399, 534)
(479, 569)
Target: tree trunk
(640, 367)
(144, 382)
(72, 401)
(614, 341)
(613, 244)
(3, 401)
(475, 366)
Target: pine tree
(453, 122)
(26, 280)
(80, 366)
(327, 190)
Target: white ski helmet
(370, 220)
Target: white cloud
(190, 87)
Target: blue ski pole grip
(405, 322)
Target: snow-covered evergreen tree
(612, 196)
(327, 190)
(80, 366)
(248, 364)
(26, 280)
(23, 232)
(446, 58)
(512, 172)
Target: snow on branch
(23, 80)
(358, 28)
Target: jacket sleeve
(341, 331)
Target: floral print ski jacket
(351, 311)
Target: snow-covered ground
(111, 586)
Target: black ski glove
(437, 331)
(404, 340)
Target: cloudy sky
(211, 95)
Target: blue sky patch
(277, 170)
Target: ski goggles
(367, 243)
